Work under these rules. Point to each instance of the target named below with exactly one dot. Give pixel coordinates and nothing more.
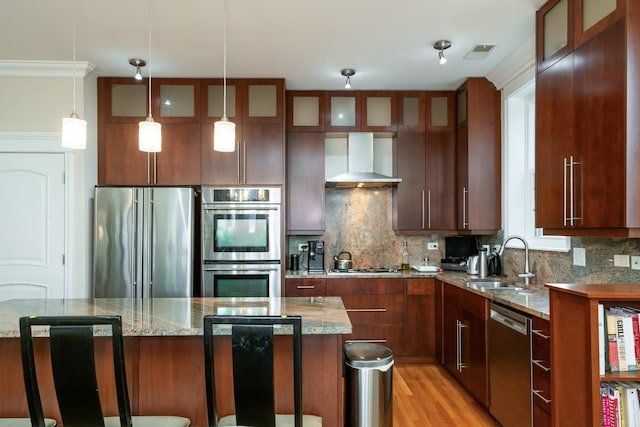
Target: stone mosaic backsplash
(359, 221)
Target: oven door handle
(241, 268)
(241, 208)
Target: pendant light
(74, 129)
(224, 131)
(150, 132)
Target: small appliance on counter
(315, 263)
(458, 250)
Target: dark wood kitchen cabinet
(305, 287)
(375, 307)
(187, 109)
(259, 155)
(305, 111)
(305, 183)
(478, 157)
(426, 163)
(586, 136)
(122, 104)
(464, 348)
(420, 329)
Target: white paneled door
(32, 225)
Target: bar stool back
(71, 340)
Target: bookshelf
(575, 389)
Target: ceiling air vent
(480, 51)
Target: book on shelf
(612, 341)
(626, 340)
(619, 404)
(602, 345)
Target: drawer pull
(539, 394)
(305, 287)
(365, 310)
(540, 365)
(540, 334)
(374, 340)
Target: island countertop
(180, 316)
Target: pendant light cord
(149, 55)
(224, 63)
(74, 114)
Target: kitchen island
(164, 353)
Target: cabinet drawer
(421, 287)
(387, 335)
(375, 309)
(359, 286)
(540, 347)
(304, 287)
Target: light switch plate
(579, 257)
(621, 260)
(635, 262)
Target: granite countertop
(179, 316)
(533, 299)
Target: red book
(612, 342)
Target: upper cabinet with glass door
(123, 99)
(263, 100)
(176, 100)
(563, 25)
(305, 111)
(593, 16)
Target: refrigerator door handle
(134, 239)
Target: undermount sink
(492, 285)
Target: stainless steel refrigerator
(143, 243)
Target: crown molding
(45, 68)
(520, 64)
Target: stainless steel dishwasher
(509, 366)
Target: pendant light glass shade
(74, 132)
(74, 129)
(224, 131)
(150, 136)
(224, 135)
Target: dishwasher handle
(510, 319)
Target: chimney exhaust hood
(359, 162)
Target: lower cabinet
(541, 372)
(396, 312)
(464, 348)
(375, 307)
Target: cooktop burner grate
(377, 270)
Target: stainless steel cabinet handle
(465, 223)
(422, 209)
(305, 287)
(244, 162)
(238, 151)
(460, 365)
(155, 168)
(365, 310)
(429, 209)
(539, 394)
(564, 191)
(540, 334)
(540, 365)
(571, 207)
(372, 340)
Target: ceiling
(388, 43)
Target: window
(519, 172)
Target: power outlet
(432, 246)
(302, 247)
(621, 260)
(579, 257)
(635, 262)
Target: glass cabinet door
(305, 110)
(554, 32)
(593, 16)
(176, 100)
(343, 111)
(264, 100)
(441, 110)
(128, 100)
(379, 111)
(411, 111)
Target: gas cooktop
(372, 271)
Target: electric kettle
(473, 264)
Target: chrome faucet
(527, 275)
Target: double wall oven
(241, 235)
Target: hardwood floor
(426, 395)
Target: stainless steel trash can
(368, 385)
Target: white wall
(35, 98)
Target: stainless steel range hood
(359, 162)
